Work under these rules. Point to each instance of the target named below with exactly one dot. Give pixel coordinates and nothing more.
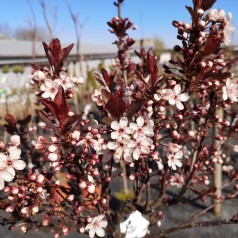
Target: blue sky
(153, 17)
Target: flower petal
(183, 97)
(123, 122)
(140, 121)
(92, 232)
(15, 154)
(3, 157)
(100, 232)
(112, 145)
(115, 125)
(179, 105)
(172, 101)
(19, 164)
(6, 176)
(177, 89)
(2, 184)
(115, 135)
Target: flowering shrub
(154, 130)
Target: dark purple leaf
(135, 107)
(116, 106)
(207, 4)
(46, 120)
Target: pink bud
(9, 209)
(52, 148)
(70, 197)
(15, 140)
(53, 156)
(82, 185)
(82, 229)
(91, 188)
(42, 139)
(14, 190)
(40, 178)
(35, 209)
(25, 210)
(24, 228)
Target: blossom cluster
(131, 141)
(49, 86)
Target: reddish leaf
(67, 50)
(105, 95)
(207, 4)
(106, 77)
(46, 120)
(116, 106)
(25, 121)
(50, 105)
(62, 106)
(72, 123)
(192, 13)
(10, 119)
(135, 107)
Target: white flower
(65, 81)
(5, 176)
(230, 90)
(96, 226)
(173, 160)
(177, 97)
(121, 129)
(176, 180)
(50, 88)
(134, 226)
(140, 146)
(140, 129)
(121, 149)
(12, 160)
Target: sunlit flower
(177, 97)
(12, 160)
(96, 226)
(50, 88)
(65, 81)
